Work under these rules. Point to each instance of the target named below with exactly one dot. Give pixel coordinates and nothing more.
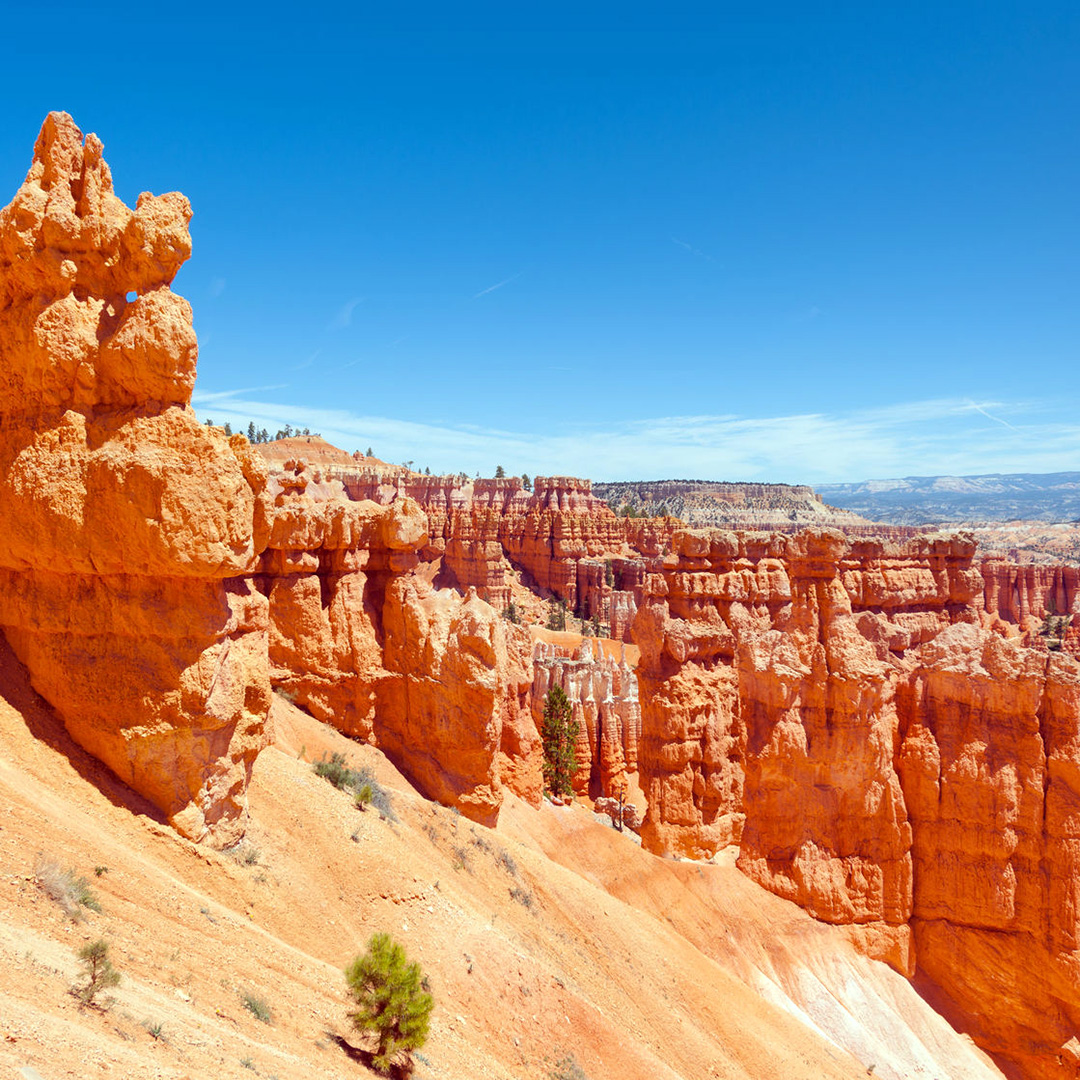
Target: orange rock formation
(129, 527)
(888, 733)
(884, 754)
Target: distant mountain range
(922, 500)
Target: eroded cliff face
(129, 527)
(558, 538)
(360, 638)
(884, 753)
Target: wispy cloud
(936, 436)
(344, 315)
(492, 288)
(199, 398)
(217, 286)
(308, 362)
(693, 250)
(997, 419)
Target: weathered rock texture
(1038, 600)
(128, 527)
(559, 539)
(603, 695)
(884, 752)
(358, 637)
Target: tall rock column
(129, 528)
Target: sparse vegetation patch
(68, 889)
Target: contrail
(492, 288)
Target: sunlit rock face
(130, 529)
(886, 752)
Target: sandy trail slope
(549, 936)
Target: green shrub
(361, 782)
(392, 999)
(335, 770)
(98, 969)
(257, 1006)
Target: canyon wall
(557, 540)
(884, 752)
(158, 578)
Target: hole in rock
(132, 297)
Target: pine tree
(100, 974)
(559, 734)
(252, 434)
(392, 999)
(526, 483)
(500, 472)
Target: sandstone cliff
(129, 527)
(883, 752)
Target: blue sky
(782, 242)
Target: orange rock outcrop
(884, 752)
(129, 527)
(358, 637)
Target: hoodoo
(130, 528)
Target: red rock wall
(884, 753)
(1025, 595)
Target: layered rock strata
(1038, 600)
(883, 752)
(558, 537)
(130, 528)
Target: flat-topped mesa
(779, 507)
(118, 505)
(884, 751)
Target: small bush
(522, 896)
(567, 1068)
(244, 853)
(69, 890)
(98, 969)
(393, 1001)
(506, 861)
(367, 791)
(257, 1006)
(374, 794)
(335, 770)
